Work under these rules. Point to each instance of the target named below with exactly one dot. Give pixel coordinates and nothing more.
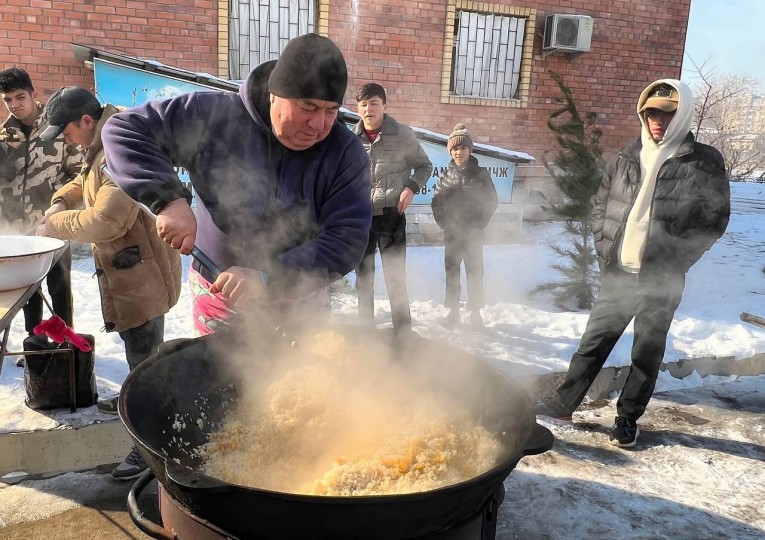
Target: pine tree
(577, 170)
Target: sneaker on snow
(131, 468)
(547, 407)
(108, 406)
(624, 433)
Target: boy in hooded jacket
(663, 202)
(464, 200)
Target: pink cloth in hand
(57, 330)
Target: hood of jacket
(255, 95)
(96, 145)
(681, 123)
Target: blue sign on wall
(126, 86)
(501, 171)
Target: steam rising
(346, 414)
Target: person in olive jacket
(464, 199)
(663, 202)
(139, 276)
(400, 168)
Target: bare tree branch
(722, 118)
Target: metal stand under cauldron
(176, 382)
(180, 523)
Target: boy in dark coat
(464, 199)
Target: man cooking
(282, 187)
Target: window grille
(260, 29)
(488, 49)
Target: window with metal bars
(260, 29)
(488, 49)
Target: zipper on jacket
(634, 197)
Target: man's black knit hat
(311, 67)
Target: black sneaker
(131, 468)
(547, 407)
(109, 406)
(624, 433)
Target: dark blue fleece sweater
(259, 204)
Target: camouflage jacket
(31, 170)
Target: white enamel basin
(25, 259)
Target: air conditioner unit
(570, 33)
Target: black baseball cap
(66, 105)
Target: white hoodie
(652, 156)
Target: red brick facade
(399, 43)
(36, 35)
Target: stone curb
(612, 379)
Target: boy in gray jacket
(399, 168)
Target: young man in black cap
(32, 170)
(664, 200)
(139, 276)
(400, 168)
(282, 187)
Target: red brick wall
(399, 43)
(36, 35)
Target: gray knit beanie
(311, 67)
(460, 136)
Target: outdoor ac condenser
(570, 33)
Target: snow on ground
(520, 328)
(696, 473)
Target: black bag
(46, 376)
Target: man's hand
(177, 226)
(405, 200)
(42, 226)
(239, 284)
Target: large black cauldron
(161, 398)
